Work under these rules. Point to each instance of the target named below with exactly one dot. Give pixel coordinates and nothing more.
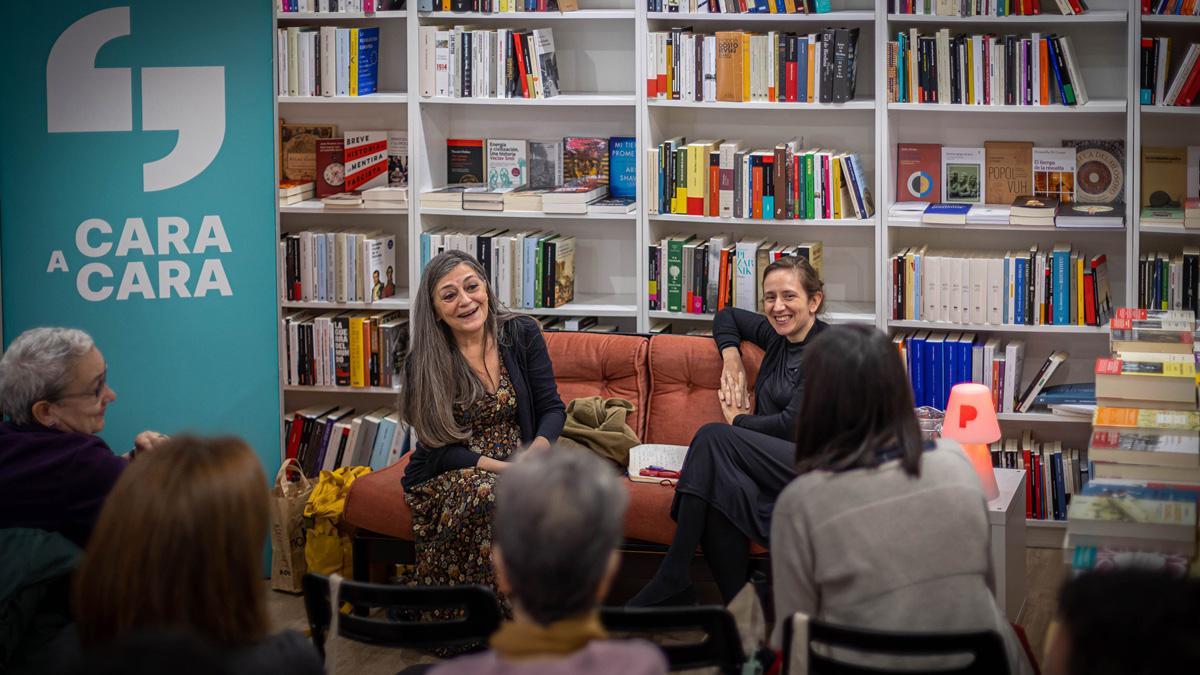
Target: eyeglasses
(95, 395)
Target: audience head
(455, 303)
(556, 528)
(1126, 622)
(864, 404)
(179, 544)
(793, 295)
(57, 378)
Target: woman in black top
(734, 471)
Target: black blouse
(780, 381)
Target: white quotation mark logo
(81, 97)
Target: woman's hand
(735, 399)
(147, 440)
(538, 444)
(492, 465)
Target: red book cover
(792, 74)
(724, 269)
(293, 446)
(1188, 93)
(331, 169)
(918, 172)
(1037, 488)
(1089, 300)
(523, 75)
(1028, 485)
(652, 87)
(714, 185)
(365, 157)
(756, 189)
(1075, 6)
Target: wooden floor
(1044, 568)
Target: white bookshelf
(1046, 19)
(533, 17)
(834, 18)
(369, 99)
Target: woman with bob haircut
(179, 546)
(734, 470)
(477, 386)
(880, 530)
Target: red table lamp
(971, 420)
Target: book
(507, 163)
(298, 149)
(464, 161)
(946, 214)
(1154, 384)
(918, 172)
(342, 200)
(1054, 173)
(1164, 177)
(1026, 400)
(547, 61)
(1080, 393)
(585, 159)
(364, 78)
(989, 214)
(1150, 447)
(1035, 207)
(1081, 214)
(545, 164)
(366, 159)
(963, 176)
(1099, 170)
(622, 162)
(397, 158)
(612, 204)
(669, 457)
(331, 169)
(1009, 167)
(380, 268)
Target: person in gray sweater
(880, 530)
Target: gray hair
(438, 377)
(39, 366)
(558, 518)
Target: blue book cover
(1058, 81)
(916, 370)
(383, 443)
(1079, 393)
(966, 347)
(948, 209)
(952, 373)
(934, 364)
(760, 7)
(530, 269)
(1062, 286)
(1134, 489)
(1004, 291)
(622, 166)
(368, 60)
(319, 257)
(768, 207)
(424, 250)
(1060, 497)
(1019, 292)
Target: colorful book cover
(564, 271)
(584, 159)
(366, 159)
(545, 164)
(397, 158)
(963, 176)
(622, 162)
(381, 266)
(1009, 170)
(331, 168)
(1099, 170)
(1054, 173)
(507, 164)
(464, 161)
(368, 60)
(298, 149)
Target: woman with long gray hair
(477, 385)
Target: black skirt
(738, 472)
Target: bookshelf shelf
(1042, 417)
(1163, 229)
(1169, 20)
(1095, 106)
(470, 213)
(369, 99)
(534, 17)
(316, 206)
(999, 328)
(831, 18)
(1170, 110)
(1001, 227)
(715, 220)
(399, 15)
(856, 104)
(576, 99)
(1105, 16)
(589, 305)
(384, 391)
(389, 305)
(1046, 524)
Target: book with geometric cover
(1099, 170)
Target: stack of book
(1060, 287)
(742, 66)
(1053, 474)
(295, 191)
(344, 349)
(1158, 85)
(1167, 281)
(338, 6)
(1171, 7)
(720, 178)
(697, 276)
(335, 163)
(385, 197)
(496, 6)
(338, 266)
(984, 69)
(530, 269)
(984, 8)
(1084, 179)
(1116, 524)
(327, 61)
(464, 62)
(740, 6)
(1076, 400)
(324, 438)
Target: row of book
(730, 180)
(1060, 287)
(982, 7)
(500, 164)
(740, 6)
(1053, 474)
(578, 198)
(327, 61)
(1025, 210)
(344, 349)
(530, 269)
(496, 6)
(465, 62)
(937, 361)
(325, 438)
(338, 266)
(1088, 171)
(689, 274)
(984, 69)
(1169, 281)
(1171, 7)
(1158, 86)
(1153, 363)
(336, 162)
(576, 324)
(743, 66)
(338, 6)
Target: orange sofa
(672, 381)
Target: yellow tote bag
(326, 549)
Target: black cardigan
(775, 418)
(540, 412)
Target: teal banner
(137, 202)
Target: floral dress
(452, 512)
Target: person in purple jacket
(55, 472)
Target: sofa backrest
(599, 364)
(685, 374)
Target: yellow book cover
(354, 62)
(1146, 418)
(745, 66)
(772, 8)
(695, 189)
(790, 6)
(837, 187)
(670, 70)
(909, 271)
(357, 375)
(812, 60)
(1079, 291)
(970, 78)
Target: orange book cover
(669, 78)
(756, 188)
(745, 66)
(714, 184)
(729, 66)
(722, 294)
(812, 58)
(1044, 69)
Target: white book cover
(746, 281)
(956, 313)
(281, 58)
(1054, 173)
(979, 290)
(995, 291)
(380, 267)
(427, 39)
(945, 275)
(963, 176)
(507, 162)
(547, 62)
(1014, 356)
(1072, 58)
(651, 61)
(966, 296)
(343, 61)
(1193, 172)
(328, 60)
(366, 159)
(931, 284)
(397, 157)
(441, 63)
(1036, 74)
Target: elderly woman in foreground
(56, 471)
(557, 525)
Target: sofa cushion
(376, 502)
(598, 364)
(685, 374)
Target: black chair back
(480, 614)
(720, 646)
(985, 647)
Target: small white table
(1006, 519)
